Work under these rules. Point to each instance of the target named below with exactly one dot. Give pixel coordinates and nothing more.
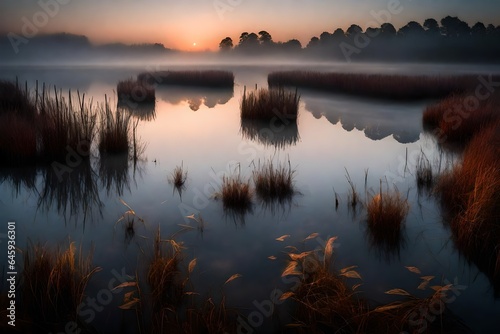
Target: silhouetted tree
(353, 30)
(490, 30)
(388, 30)
(412, 28)
(249, 41)
(432, 27)
(265, 38)
(243, 37)
(226, 44)
(338, 34)
(478, 29)
(325, 39)
(292, 45)
(314, 42)
(454, 27)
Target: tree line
(449, 39)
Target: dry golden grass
(452, 121)
(399, 87)
(471, 194)
(54, 282)
(268, 104)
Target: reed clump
(54, 282)
(454, 120)
(268, 104)
(179, 176)
(274, 183)
(424, 174)
(236, 194)
(114, 132)
(387, 211)
(396, 87)
(210, 78)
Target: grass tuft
(114, 132)
(236, 194)
(274, 183)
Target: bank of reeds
(397, 87)
(54, 282)
(457, 118)
(268, 104)
(209, 78)
(470, 193)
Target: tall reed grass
(470, 193)
(398, 87)
(267, 104)
(132, 91)
(114, 134)
(274, 183)
(54, 282)
(236, 194)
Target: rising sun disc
(194, 44)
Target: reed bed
(274, 183)
(54, 282)
(132, 92)
(396, 87)
(269, 104)
(453, 121)
(114, 132)
(471, 194)
(43, 127)
(210, 78)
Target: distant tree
(338, 35)
(478, 29)
(243, 37)
(412, 28)
(454, 27)
(490, 30)
(372, 32)
(353, 30)
(388, 30)
(292, 45)
(226, 44)
(249, 40)
(265, 38)
(314, 42)
(325, 38)
(432, 27)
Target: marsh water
(200, 129)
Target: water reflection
(277, 133)
(387, 245)
(141, 111)
(73, 193)
(19, 178)
(114, 173)
(378, 119)
(195, 96)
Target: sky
(197, 25)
